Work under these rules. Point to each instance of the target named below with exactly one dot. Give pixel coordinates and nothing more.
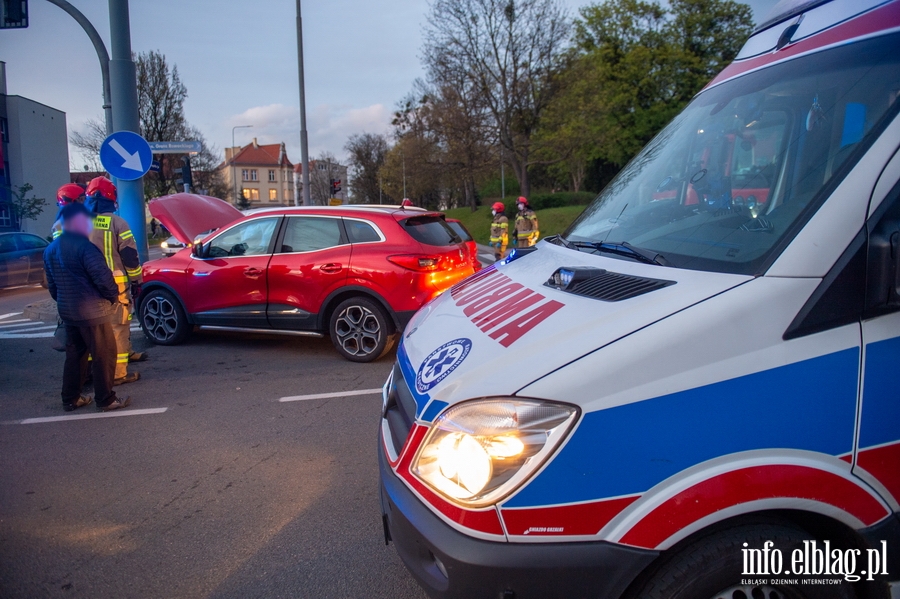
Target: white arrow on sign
(132, 161)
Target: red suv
(356, 273)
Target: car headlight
(479, 451)
(164, 245)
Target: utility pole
(123, 87)
(304, 142)
(102, 54)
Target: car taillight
(423, 262)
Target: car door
(313, 259)
(13, 262)
(34, 247)
(229, 286)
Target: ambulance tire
(710, 568)
(162, 318)
(360, 330)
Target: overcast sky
(238, 61)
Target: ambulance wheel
(360, 330)
(710, 567)
(162, 318)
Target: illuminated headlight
(164, 245)
(480, 451)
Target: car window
(361, 232)
(460, 230)
(251, 238)
(7, 244)
(30, 242)
(431, 230)
(308, 234)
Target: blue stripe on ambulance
(625, 450)
(424, 410)
(880, 407)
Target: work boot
(131, 377)
(79, 403)
(116, 404)
(138, 356)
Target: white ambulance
(694, 392)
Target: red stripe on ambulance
(501, 308)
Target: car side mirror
(883, 293)
(200, 251)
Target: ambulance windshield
(744, 166)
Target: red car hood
(186, 215)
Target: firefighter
(527, 232)
(499, 231)
(114, 238)
(70, 193)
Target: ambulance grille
(616, 287)
(400, 411)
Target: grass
(552, 220)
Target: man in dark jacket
(86, 295)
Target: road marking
(9, 315)
(330, 395)
(114, 414)
(18, 323)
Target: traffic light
(187, 177)
(335, 186)
(13, 14)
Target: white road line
(330, 395)
(19, 323)
(45, 335)
(115, 414)
(9, 315)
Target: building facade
(34, 150)
(321, 176)
(259, 175)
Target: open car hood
(187, 215)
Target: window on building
(272, 175)
(273, 193)
(322, 167)
(4, 130)
(250, 174)
(251, 194)
(5, 216)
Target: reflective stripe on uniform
(107, 249)
(121, 358)
(56, 234)
(126, 235)
(134, 272)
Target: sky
(238, 59)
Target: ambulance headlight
(479, 451)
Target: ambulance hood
(504, 328)
(187, 215)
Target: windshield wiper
(625, 249)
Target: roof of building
(254, 154)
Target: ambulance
(694, 392)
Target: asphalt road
(226, 493)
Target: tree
(326, 168)
(161, 97)
(25, 205)
(367, 154)
(506, 51)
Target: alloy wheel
(358, 330)
(160, 319)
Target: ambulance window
(728, 183)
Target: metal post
(502, 176)
(102, 54)
(233, 170)
(123, 85)
(304, 142)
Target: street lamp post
(304, 142)
(233, 171)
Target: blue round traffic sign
(126, 155)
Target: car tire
(162, 318)
(711, 567)
(360, 330)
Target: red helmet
(406, 202)
(103, 187)
(498, 206)
(522, 200)
(69, 194)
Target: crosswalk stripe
(9, 315)
(114, 414)
(24, 322)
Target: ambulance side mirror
(883, 288)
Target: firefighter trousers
(122, 331)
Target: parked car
(467, 238)
(21, 259)
(172, 245)
(356, 273)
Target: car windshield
(744, 166)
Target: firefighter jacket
(500, 229)
(116, 241)
(527, 225)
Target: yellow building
(261, 173)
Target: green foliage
(493, 189)
(25, 206)
(552, 221)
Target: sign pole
(123, 85)
(304, 142)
